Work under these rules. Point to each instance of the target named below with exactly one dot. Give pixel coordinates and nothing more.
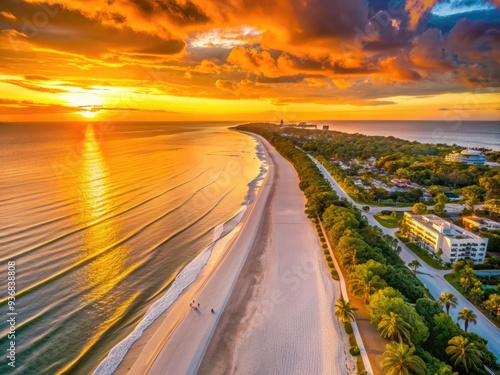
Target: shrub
(326, 252)
(354, 350)
(330, 264)
(328, 258)
(362, 372)
(348, 328)
(335, 275)
(324, 246)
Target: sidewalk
(368, 333)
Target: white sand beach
(272, 294)
(280, 319)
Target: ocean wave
(185, 278)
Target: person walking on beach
(212, 311)
(198, 305)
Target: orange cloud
(8, 15)
(416, 9)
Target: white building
(480, 222)
(455, 242)
(467, 157)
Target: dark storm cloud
(71, 31)
(182, 13)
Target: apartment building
(435, 233)
(467, 157)
(480, 222)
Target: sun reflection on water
(98, 280)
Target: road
(433, 279)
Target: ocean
(100, 219)
(108, 223)
(463, 133)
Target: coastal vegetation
(377, 274)
(376, 160)
(482, 291)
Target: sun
(86, 103)
(88, 113)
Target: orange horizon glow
(123, 62)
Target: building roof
(439, 225)
(481, 220)
(471, 152)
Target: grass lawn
(388, 221)
(422, 254)
(453, 280)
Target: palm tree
(449, 300)
(344, 310)
(400, 360)
(393, 327)
(467, 316)
(467, 278)
(414, 264)
(463, 352)
(349, 259)
(446, 370)
(366, 284)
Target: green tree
(449, 300)
(446, 370)
(441, 331)
(435, 190)
(439, 208)
(460, 265)
(493, 205)
(349, 259)
(439, 253)
(414, 264)
(467, 278)
(403, 227)
(400, 360)
(427, 309)
(364, 285)
(344, 311)
(441, 198)
(389, 300)
(463, 354)
(492, 304)
(473, 195)
(491, 185)
(393, 327)
(317, 203)
(476, 293)
(467, 316)
(419, 209)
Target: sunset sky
(249, 60)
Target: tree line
(427, 337)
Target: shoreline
(138, 358)
(279, 318)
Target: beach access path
(280, 317)
(433, 279)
